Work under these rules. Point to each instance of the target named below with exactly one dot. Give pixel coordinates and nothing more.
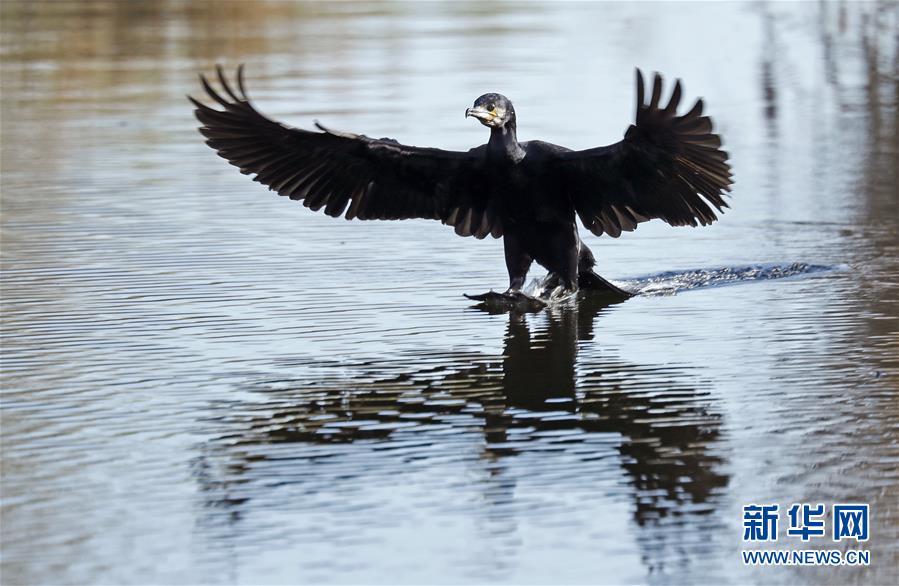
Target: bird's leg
(568, 250)
(569, 277)
(518, 262)
(515, 284)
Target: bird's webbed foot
(512, 299)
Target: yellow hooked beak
(487, 117)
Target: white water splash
(673, 282)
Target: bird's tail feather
(591, 281)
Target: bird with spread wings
(668, 166)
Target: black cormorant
(668, 166)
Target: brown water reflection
(202, 383)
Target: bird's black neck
(503, 144)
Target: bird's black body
(668, 166)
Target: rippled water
(203, 382)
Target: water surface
(203, 382)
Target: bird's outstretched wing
(668, 166)
(369, 179)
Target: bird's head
(493, 110)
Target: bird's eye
(491, 106)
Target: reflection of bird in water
(663, 426)
(668, 166)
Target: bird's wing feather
(348, 174)
(668, 166)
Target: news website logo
(849, 522)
